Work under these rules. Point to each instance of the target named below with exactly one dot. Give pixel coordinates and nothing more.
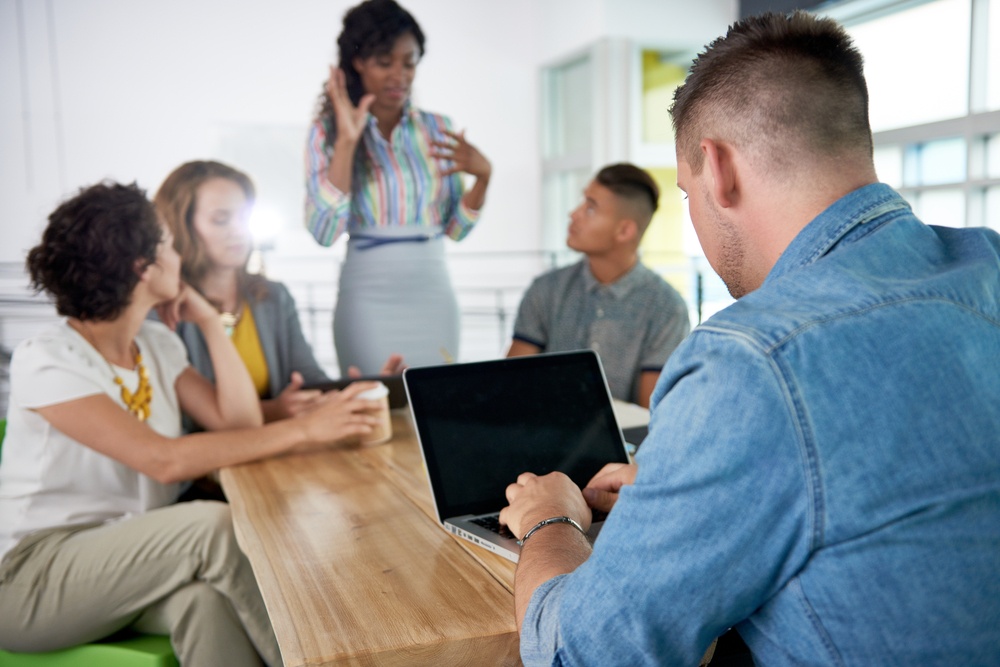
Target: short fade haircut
(783, 87)
(94, 249)
(633, 185)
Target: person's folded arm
(327, 207)
(531, 324)
(231, 402)
(101, 424)
(522, 348)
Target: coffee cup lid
(375, 393)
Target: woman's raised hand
(463, 156)
(189, 306)
(350, 119)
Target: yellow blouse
(247, 343)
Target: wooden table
(355, 569)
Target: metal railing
(489, 287)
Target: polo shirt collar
(618, 289)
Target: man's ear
(721, 169)
(626, 230)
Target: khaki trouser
(176, 570)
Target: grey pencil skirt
(395, 297)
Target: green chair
(116, 651)
(121, 650)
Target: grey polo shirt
(633, 324)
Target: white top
(47, 479)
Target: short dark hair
(632, 184)
(776, 83)
(370, 29)
(94, 249)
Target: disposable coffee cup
(381, 431)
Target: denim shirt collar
(845, 218)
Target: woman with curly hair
(91, 539)
(206, 205)
(389, 175)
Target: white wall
(571, 25)
(672, 25)
(128, 89)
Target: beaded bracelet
(547, 522)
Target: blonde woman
(207, 207)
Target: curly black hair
(370, 29)
(94, 249)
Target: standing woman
(206, 205)
(389, 175)
(91, 539)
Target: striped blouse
(394, 184)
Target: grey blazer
(285, 348)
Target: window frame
(975, 128)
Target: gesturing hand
(350, 119)
(463, 156)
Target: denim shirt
(822, 470)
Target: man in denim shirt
(823, 465)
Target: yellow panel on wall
(662, 246)
(659, 80)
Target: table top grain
(354, 567)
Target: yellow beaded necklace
(138, 403)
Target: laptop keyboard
(492, 523)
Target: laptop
(394, 383)
(482, 424)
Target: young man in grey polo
(608, 301)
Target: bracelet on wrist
(549, 522)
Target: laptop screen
(482, 424)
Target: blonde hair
(176, 201)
